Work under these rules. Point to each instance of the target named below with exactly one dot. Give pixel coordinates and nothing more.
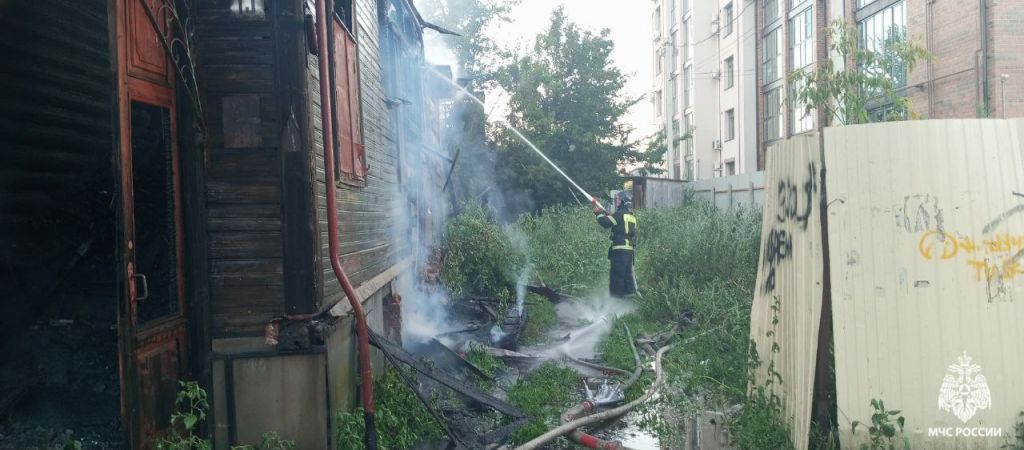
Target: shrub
(480, 258)
(402, 421)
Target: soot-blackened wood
(301, 276)
(442, 377)
(244, 185)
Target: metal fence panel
(926, 233)
(787, 301)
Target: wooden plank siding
(243, 193)
(367, 228)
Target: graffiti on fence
(795, 205)
(994, 260)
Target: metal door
(151, 316)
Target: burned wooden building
(165, 214)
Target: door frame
(134, 340)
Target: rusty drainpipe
(362, 332)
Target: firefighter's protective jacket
(623, 228)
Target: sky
(630, 31)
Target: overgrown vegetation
(541, 317)
(401, 419)
(490, 365)
(543, 395)
(191, 409)
(481, 259)
(885, 429)
(1018, 436)
(568, 251)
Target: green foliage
(707, 244)
(490, 365)
(568, 250)
(191, 408)
(543, 395)
(401, 419)
(884, 428)
(270, 441)
(541, 317)
(480, 258)
(847, 92)
(565, 94)
(1018, 438)
(761, 425)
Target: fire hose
(567, 427)
(587, 407)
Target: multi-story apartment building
(703, 85)
(976, 69)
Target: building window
(348, 116)
(673, 98)
(248, 8)
(675, 130)
(687, 130)
(727, 20)
(671, 14)
(730, 125)
(656, 23)
(729, 69)
(773, 114)
(730, 168)
(879, 32)
(772, 62)
(801, 118)
(801, 39)
(863, 3)
(657, 103)
(686, 40)
(658, 64)
(675, 52)
(687, 81)
(771, 11)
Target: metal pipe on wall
(362, 331)
(983, 35)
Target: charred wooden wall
(244, 183)
(56, 135)
(367, 226)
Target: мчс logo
(964, 390)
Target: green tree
(565, 95)
(864, 76)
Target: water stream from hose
(521, 137)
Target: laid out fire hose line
(565, 428)
(587, 407)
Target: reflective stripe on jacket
(623, 229)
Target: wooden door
(151, 318)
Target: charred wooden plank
(444, 378)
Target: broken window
(248, 8)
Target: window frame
(727, 19)
(730, 124)
(350, 149)
(729, 72)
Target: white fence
(726, 192)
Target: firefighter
(621, 278)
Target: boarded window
(350, 152)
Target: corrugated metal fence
(925, 236)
